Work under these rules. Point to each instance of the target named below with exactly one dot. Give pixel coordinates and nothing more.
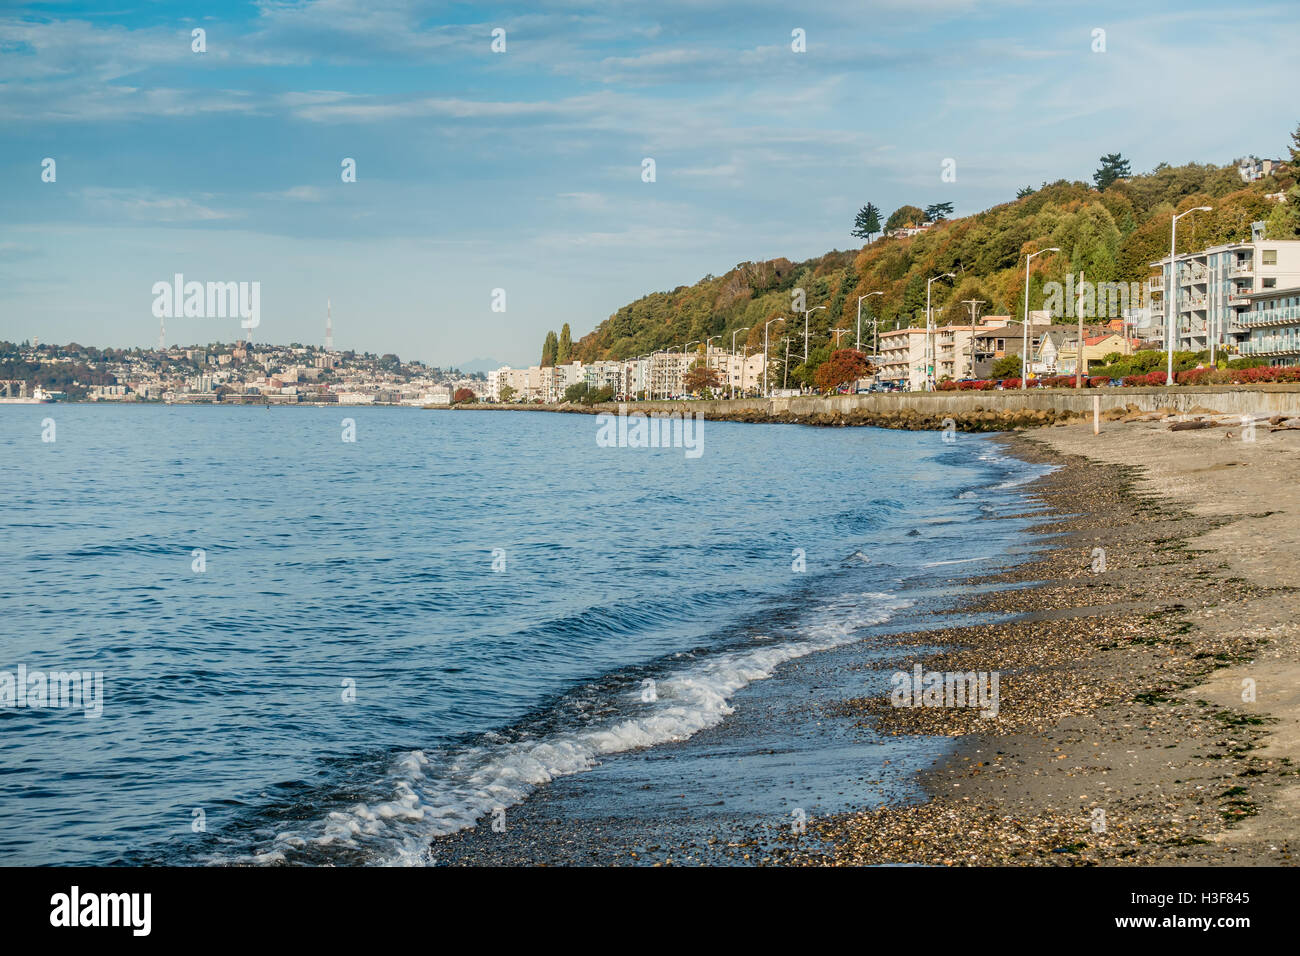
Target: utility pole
(806, 313)
(974, 308)
(838, 333)
(785, 369)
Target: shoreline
(1123, 738)
(1120, 739)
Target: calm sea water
(493, 589)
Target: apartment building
(1213, 288)
(1270, 326)
(564, 376)
(741, 373)
(952, 346)
(668, 372)
(902, 359)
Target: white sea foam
(424, 802)
(935, 564)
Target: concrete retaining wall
(977, 411)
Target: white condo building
(1214, 288)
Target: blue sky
(522, 170)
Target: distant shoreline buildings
(657, 375)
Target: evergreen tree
(940, 210)
(549, 348)
(1113, 167)
(1024, 191)
(867, 224)
(1284, 220)
(564, 350)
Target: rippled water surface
(332, 568)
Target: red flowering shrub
(1097, 381)
(1011, 383)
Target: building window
(1270, 257)
(1270, 283)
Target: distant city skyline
(523, 170)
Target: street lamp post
(859, 345)
(730, 378)
(1024, 348)
(974, 305)
(779, 318)
(1171, 295)
(929, 330)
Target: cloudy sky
(522, 170)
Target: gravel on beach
(1105, 749)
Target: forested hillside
(1111, 234)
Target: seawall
(970, 411)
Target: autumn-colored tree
(844, 365)
(699, 377)
(463, 395)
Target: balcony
(1271, 347)
(1191, 277)
(1289, 315)
(1241, 269)
(1156, 284)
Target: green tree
(564, 350)
(1007, 367)
(1284, 220)
(506, 394)
(903, 215)
(576, 392)
(1113, 168)
(549, 348)
(867, 224)
(940, 210)
(1024, 191)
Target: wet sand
(1122, 691)
(1121, 735)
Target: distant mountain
(483, 365)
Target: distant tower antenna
(329, 328)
